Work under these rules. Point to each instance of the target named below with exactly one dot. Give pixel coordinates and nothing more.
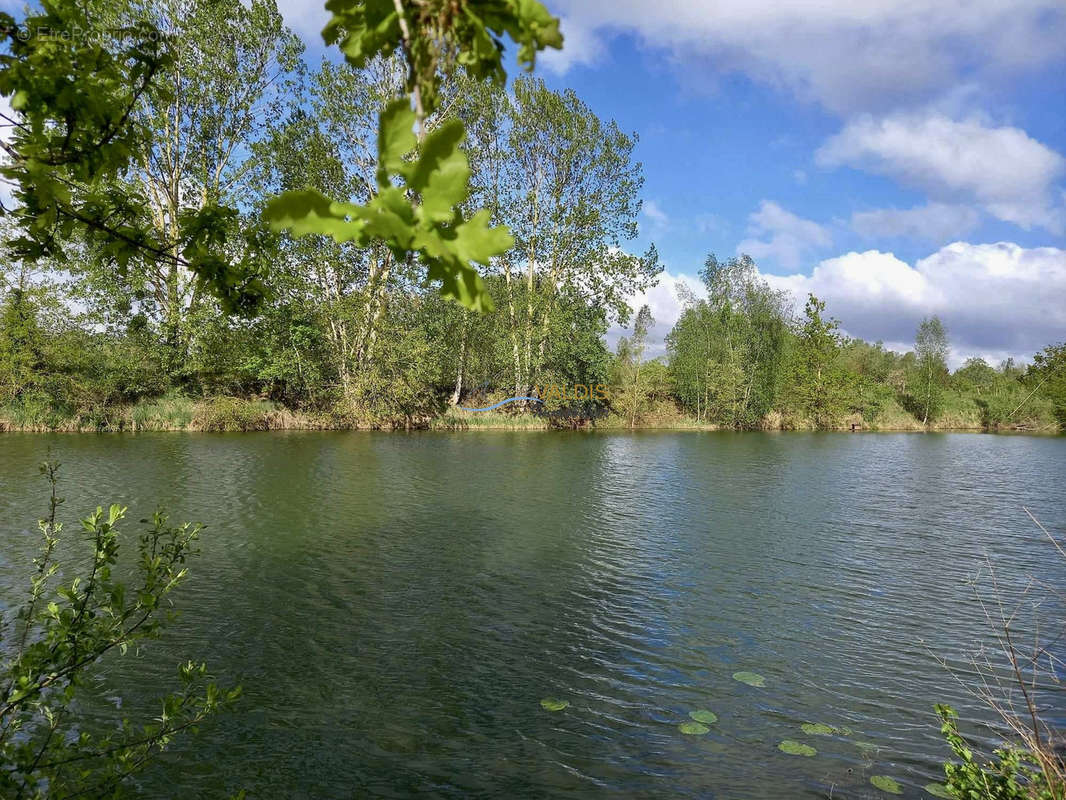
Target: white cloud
(306, 18)
(783, 237)
(994, 299)
(658, 218)
(581, 48)
(1007, 172)
(935, 222)
(665, 302)
(848, 55)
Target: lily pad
(551, 704)
(818, 729)
(706, 717)
(794, 748)
(937, 790)
(750, 678)
(693, 728)
(866, 747)
(886, 784)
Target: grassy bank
(176, 412)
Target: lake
(396, 606)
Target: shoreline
(529, 425)
(242, 415)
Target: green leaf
(706, 717)
(442, 173)
(886, 784)
(396, 138)
(794, 748)
(308, 211)
(693, 728)
(552, 704)
(750, 678)
(937, 790)
(476, 241)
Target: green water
(397, 606)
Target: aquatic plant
(750, 678)
(693, 728)
(794, 748)
(886, 784)
(821, 729)
(552, 704)
(706, 717)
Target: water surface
(396, 606)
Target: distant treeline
(97, 337)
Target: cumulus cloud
(666, 301)
(1008, 173)
(849, 56)
(306, 18)
(782, 236)
(935, 222)
(658, 218)
(581, 47)
(995, 299)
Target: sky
(898, 158)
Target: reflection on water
(397, 606)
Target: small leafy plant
(58, 638)
(1014, 774)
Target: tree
(570, 197)
(632, 386)
(727, 354)
(818, 386)
(71, 620)
(421, 216)
(931, 348)
(21, 345)
(78, 97)
(231, 66)
(1048, 375)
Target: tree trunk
(458, 393)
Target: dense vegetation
(213, 305)
(342, 344)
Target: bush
(235, 414)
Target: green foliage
(1048, 375)
(706, 717)
(794, 748)
(886, 784)
(70, 621)
(750, 678)
(433, 34)
(818, 387)
(1014, 774)
(931, 347)
(234, 414)
(77, 98)
(553, 704)
(727, 354)
(447, 243)
(21, 346)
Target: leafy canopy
(422, 215)
(75, 94)
(433, 227)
